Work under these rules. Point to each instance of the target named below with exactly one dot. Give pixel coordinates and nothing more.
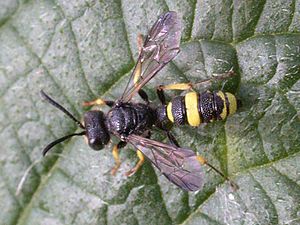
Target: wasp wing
(179, 165)
(160, 47)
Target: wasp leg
(138, 165)
(172, 139)
(136, 78)
(143, 95)
(115, 153)
(140, 41)
(99, 101)
(140, 155)
(187, 86)
(203, 161)
(138, 70)
(160, 90)
(161, 95)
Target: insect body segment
(196, 108)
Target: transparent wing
(179, 165)
(160, 47)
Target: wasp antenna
(49, 146)
(61, 108)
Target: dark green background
(78, 50)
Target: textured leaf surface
(78, 50)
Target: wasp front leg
(203, 161)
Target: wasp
(132, 122)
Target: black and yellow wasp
(132, 122)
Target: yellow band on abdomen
(191, 105)
(169, 112)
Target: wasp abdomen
(207, 106)
(195, 108)
(176, 108)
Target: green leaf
(80, 50)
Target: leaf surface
(80, 50)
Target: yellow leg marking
(138, 165)
(189, 85)
(201, 159)
(115, 153)
(98, 101)
(137, 73)
(138, 68)
(178, 86)
(191, 105)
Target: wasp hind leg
(203, 161)
(138, 165)
(172, 139)
(160, 90)
(99, 101)
(115, 153)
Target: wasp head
(96, 131)
(94, 128)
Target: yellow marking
(137, 72)
(191, 105)
(98, 101)
(140, 42)
(115, 153)
(169, 112)
(140, 155)
(224, 111)
(179, 86)
(138, 165)
(201, 159)
(232, 103)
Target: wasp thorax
(96, 131)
